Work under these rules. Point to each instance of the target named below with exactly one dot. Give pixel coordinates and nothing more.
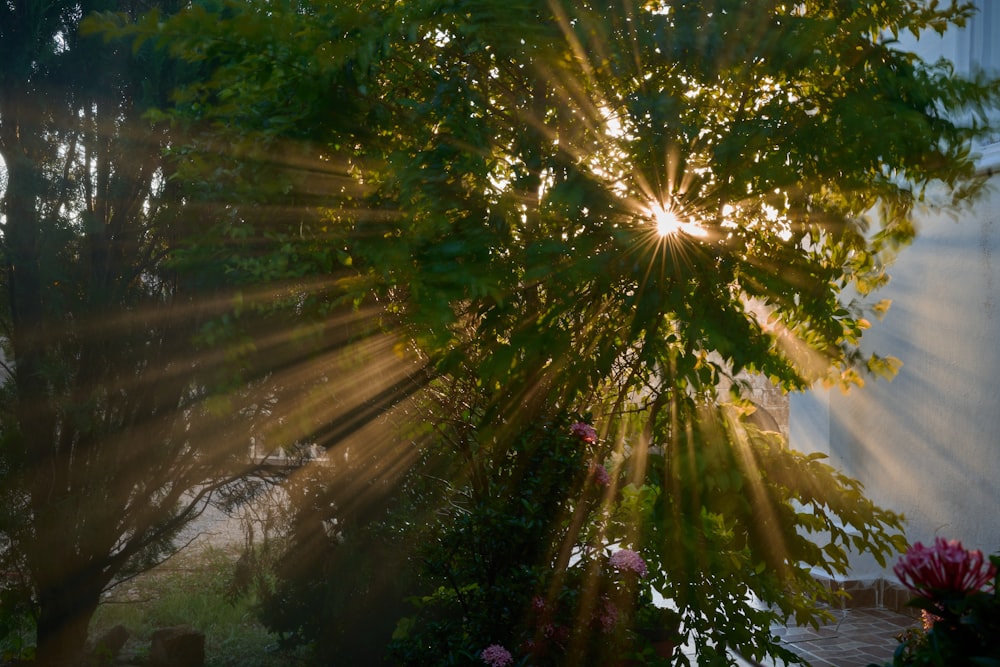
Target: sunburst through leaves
(423, 240)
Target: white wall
(928, 443)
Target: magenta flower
(584, 431)
(495, 655)
(944, 569)
(600, 474)
(626, 560)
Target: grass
(191, 589)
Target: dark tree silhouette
(102, 456)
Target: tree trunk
(64, 617)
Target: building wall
(927, 444)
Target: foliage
(962, 619)
(754, 519)
(522, 167)
(16, 628)
(191, 589)
(17, 623)
(297, 574)
(500, 565)
(578, 207)
(491, 551)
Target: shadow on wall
(927, 443)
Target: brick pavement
(858, 637)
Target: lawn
(192, 588)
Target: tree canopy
(582, 183)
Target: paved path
(858, 637)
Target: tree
(614, 208)
(104, 439)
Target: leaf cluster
(718, 497)
(501, 176)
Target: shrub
(957, 592)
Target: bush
(536, 536)
(192, 589)
(329, 583)
(524, 554)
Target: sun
(667, 223)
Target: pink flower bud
(944, 569)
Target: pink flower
(495, 655)
(625, 560)
(607, 615)
(600, 474)
(584, 431)
(944, 569)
